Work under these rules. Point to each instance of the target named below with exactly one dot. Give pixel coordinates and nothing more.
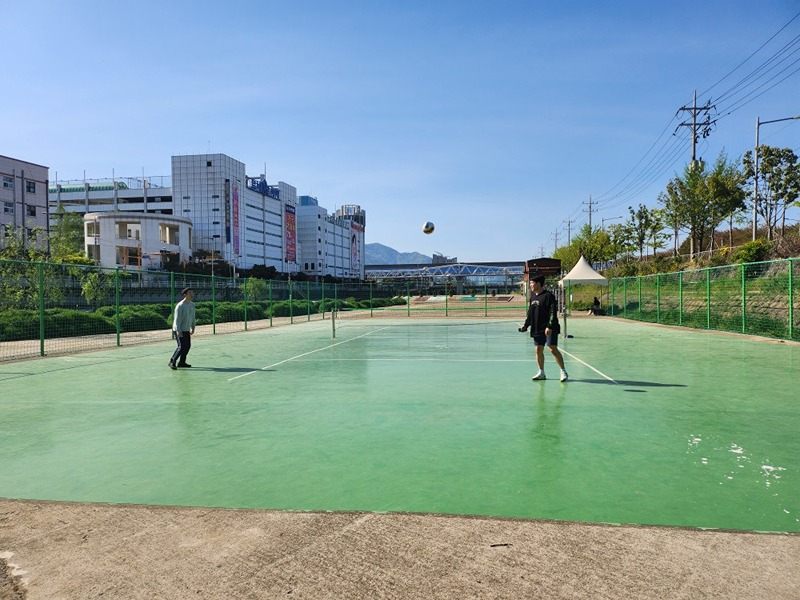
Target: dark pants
(184, 345)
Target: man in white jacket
(183, 325)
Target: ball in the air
(428, 227)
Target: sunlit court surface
(656, 426)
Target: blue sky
(495, 120)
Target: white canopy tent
(582, 272)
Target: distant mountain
(378, 254)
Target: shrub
(140, 319)
(754, 251)
(61, 322)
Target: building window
(31, 210)
(8, 208)
(208, 163)
(30, 187)
(8, 183)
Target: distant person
(595, 310)
(542, 318)
(183, 325)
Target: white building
(136, 240)
(331, 244)
(23, 197)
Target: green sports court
(656, 425)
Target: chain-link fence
(48, 308)
(752, 298)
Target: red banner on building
(290, 233)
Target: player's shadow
(229, 369)
(629, 382)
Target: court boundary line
(306, 354)
(584, 363)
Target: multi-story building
(136, 240)
(23, 198)
(331, 244)
(242, 220)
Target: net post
(708, 298)
(791, 299)
(116, 301)
(213, 305)
(40, 276)
(334, 309)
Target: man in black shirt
(543, 320)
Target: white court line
(306, 354)
(573, 357)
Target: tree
(66, 237)
(701, 200)
(641, 224)
(22, 267)
(725, 191)
(779, 179)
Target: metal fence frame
(751, 298)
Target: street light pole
(603, 221)
(759, 123)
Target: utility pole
(569, 222)
(701, 128)
(759, 123)
(541, 250)
(590, 212)
(555, 241)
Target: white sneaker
(539, 376)
(564, 376)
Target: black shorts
(541, 339)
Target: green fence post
(744, 297)
(213, 305)
(322, 300)
(485, 299)
(612, 287)
(116, 302)
(680, 298)
(308, 299)
(172, 290)
(625, 297)
(244, 293)
(291, 302)
(269, 303)
(446, 295)
(639, 308)
(791, 299)
(708, 297)
(370, 299)
(408, 298)
(40, 276)
(658, 298)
